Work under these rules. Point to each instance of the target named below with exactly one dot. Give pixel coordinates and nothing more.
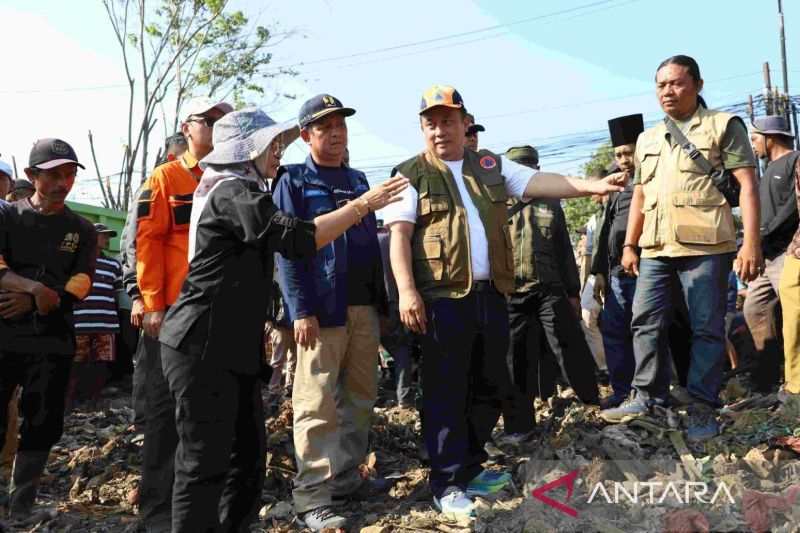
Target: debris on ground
(91, 483)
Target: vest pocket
(428, 260)
(431, 203)
(181, 205)
(698, 218)
(650, 229)
(647, 169)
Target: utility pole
(783, 47)
(767, 92)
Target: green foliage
(176, 49)
(578, 211)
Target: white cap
(5, 168)
(201, 104)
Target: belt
(482, 286)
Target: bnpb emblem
(488, 162)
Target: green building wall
(110, 217)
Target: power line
(447, 37)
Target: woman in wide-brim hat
(212, 336)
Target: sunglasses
(208, 122)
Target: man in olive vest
(452, 257)
(773, 141)
(545, 279)
(684, 226)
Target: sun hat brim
(249, 148)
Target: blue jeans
(615, 320)
(703, 280)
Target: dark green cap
(524, 155)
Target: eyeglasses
(277, 146)
(208, 122)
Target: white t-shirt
(516, 179)
(591, 227)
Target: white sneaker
(457, 503)
(321, 518)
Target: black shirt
(229, 283)
(363, 252)
(778, 204)
(608, 255)
(59, 250)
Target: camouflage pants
(335, 386)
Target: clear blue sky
(566, 70)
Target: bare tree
(172, 50)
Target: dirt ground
(92, 477)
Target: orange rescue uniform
(162, 237)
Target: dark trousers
(562, 329)
(615, 324)
(465, 381)
(139, 395)
(221, 456)
(533, 369)
(160, 441)
(43, 379)
(397, 340)
(703, 280)
(127, 341)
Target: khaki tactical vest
(684, 212)
(440, 246)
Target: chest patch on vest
(488, 162)
(309, 193)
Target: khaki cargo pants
(335, 386)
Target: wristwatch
(629, 245)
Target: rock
(133, 496)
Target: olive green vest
(440, 246)
(684, 212)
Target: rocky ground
(92, 477)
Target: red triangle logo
(569, 480)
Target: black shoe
(28, 468)
(369, 489)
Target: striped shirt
(97, 313)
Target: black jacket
(228, 288)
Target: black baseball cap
(102, 228)
(49, 153)
(21, 184)
(320, 106)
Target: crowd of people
(468, 281)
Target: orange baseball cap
(441, 95)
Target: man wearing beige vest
(452, 258)
(683, 223)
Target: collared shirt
(162, 237)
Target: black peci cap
(625, 130)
